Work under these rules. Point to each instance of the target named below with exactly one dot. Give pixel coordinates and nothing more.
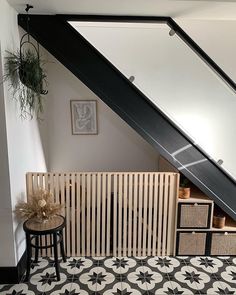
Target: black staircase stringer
(97, 73)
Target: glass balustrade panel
(175, 79)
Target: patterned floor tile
(120, 265)
(190, 277)
(229, 275)
(217, 287)
(47, 281)
(96, 278)
(184, 260)
(65, 290)
(121, 288)
(141, 260)
(171, 287)
(18, 289)
(130, 276)
(206, 264)
(76, 265)
(145, 278)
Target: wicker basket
(194, 216)
(223, 244)
(184, 192)
(192, 243)
(219, 221)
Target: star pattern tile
(176, 276)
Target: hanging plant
(26, 76)
(24, 71)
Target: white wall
(21, 149)
(176, 80)
(117, 147)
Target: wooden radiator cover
(114, 213)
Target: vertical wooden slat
(93, 214)
(56, 182)
(115, 216)
(120, 215)
(35, 182)
(40, 176)
(155, 221)
(108, 213)
(29, 185)
(57, 196)
(49, 184)
(78, 214)
(63, 202)
(140, 215)
(72, 197)
(83, 223)
(130, 194)
(135, 214)
(176, 195)
(125, 184)
(165, 210)
(159, 233)
(150, 214)
(103, 229)
(145, 202)
(88, 231)
(171, 220)
(98, 214)
(46, 181)
(44, 239)
(68, 215)
(46, 185)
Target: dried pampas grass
(40, 206)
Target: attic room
(158, 83)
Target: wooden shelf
(230, 225)
(196, 197)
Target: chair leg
(62, 247)
(29, 253)
(56, 256)
(36, 249)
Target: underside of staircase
(55, 34)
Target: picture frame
(84, 117)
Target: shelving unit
(195, 234)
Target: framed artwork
(84, 116)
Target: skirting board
(13, 274)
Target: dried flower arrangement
(40, 206)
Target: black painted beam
(86, 63)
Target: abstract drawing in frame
(84, 116)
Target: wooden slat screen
(119, 214)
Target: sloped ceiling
(214, 9)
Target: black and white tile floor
(130, 276)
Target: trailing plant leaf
(26, 77)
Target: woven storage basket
(194, 216)
(192, 244)
(223, 244)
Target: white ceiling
(213, 9)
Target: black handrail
(201, 53)
(159, 19)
